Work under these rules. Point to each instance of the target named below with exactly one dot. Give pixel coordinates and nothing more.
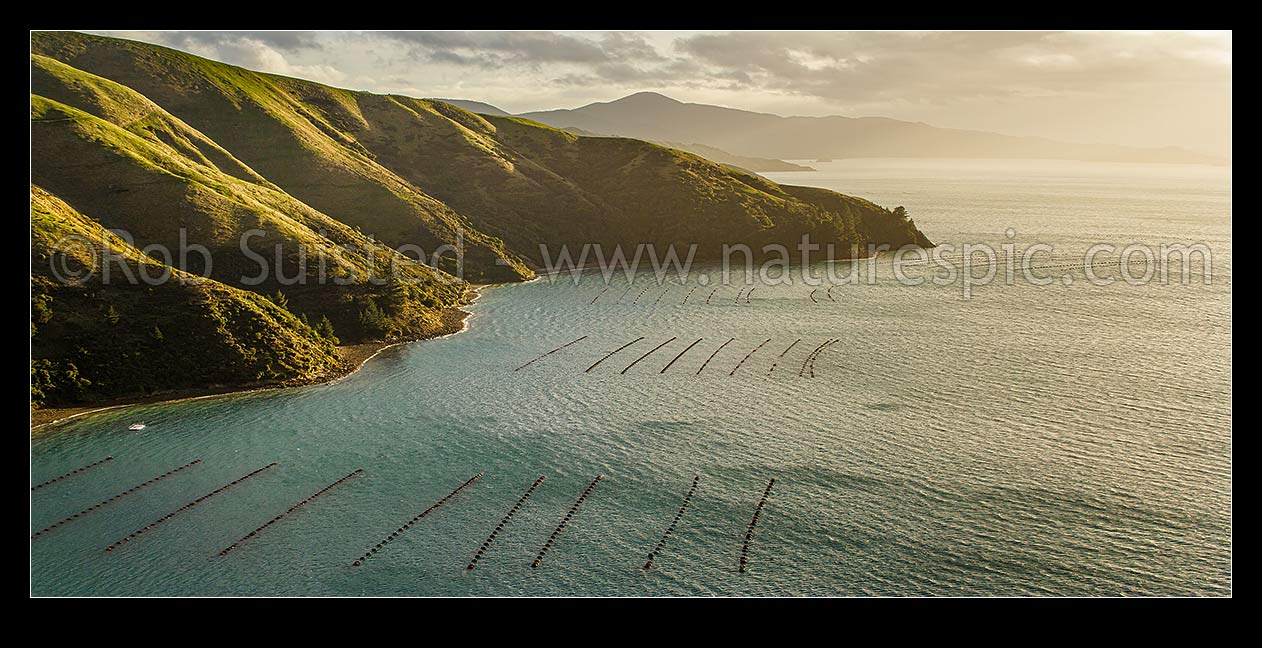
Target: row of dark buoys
(739, 293)
(637, 297)
(782, 354)
(716, 352)
(115, 498)
(565, 521)
(681, 354)
(1075, 266)
(72, 473)
(711, 296)
(504, 522)
(637, 360)
(815, 356)
(661, 544)
(610, 354)
(659, 297)
(829, 293)
(168, 516)
(812, 296)
(685, 301)
(749, 533)
(550, 353)
(295, 507)
(811, 356)
(407, 525)
(738, 365)
(599, 294)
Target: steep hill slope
(100, 338)
(131, 179)
(418, 171)
(293, 133)
(325, 187)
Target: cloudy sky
(1137, 88)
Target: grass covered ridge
(178, 150)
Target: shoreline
(354, 357)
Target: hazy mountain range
(658, 118)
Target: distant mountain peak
(656, 117)
(646, 98)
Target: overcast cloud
(1153, 89)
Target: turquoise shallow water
(1030, 440)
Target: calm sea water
(1062, 439)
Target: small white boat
(136, 426)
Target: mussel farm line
(541, 357)
(504, 522)
(295, 507)
(565, 521)
(716, 352)
(738, 365)
(820, 352)
(417, 518)
(203, 498)
(782, 354)
(99, 505)
(72, 473)
(749, 533)
(661, 544)
(610, 354)
(637, 360)
(681, 354)
(802, 371)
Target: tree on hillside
(373, 320)
(325, 330)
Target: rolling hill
(328, 186)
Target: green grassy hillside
(177, 150)
(413, 171)
(117, 339)
(296, 134)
